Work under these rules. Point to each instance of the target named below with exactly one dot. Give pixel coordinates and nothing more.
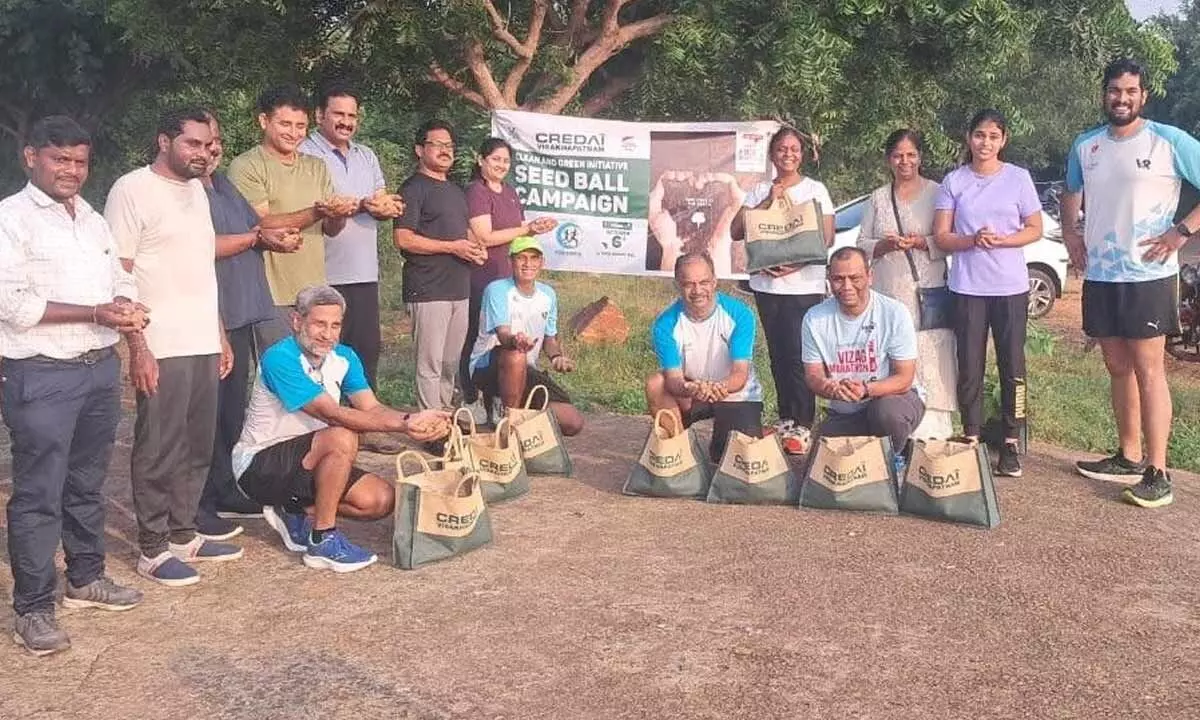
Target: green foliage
(1181, 105)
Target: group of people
(249, 304)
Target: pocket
(44, 382)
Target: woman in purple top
(986, 212)
(496, 218)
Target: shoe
(1154, 490)
(480, 412)
(292, 527)
(1009, 464)
(239, 507)
(899, 464)
(380, 442)
(497, 411)
(212, 527)
(201, 550)
(794, 438)
(335, 552)
(39, 633)
(1116, 468)
(101, 593)
(166, 569)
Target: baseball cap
(523, 243)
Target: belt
(91, 357)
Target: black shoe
(1116, 468)
(1009, 464)
(237, 506)
(211, 527)
(1154, 490)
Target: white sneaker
(479, 412)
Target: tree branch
(611, 91)
(577, 20)
(439, 75)
(608, 44)
(512, 83)
(500, 29)
(477, 64)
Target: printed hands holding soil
(692, 211)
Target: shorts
(743, 416)
(487, 381)
(1131, 310)
(276, 475)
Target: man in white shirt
(64, 296)
(160, 219)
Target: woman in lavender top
(986, 212)
(496, 218)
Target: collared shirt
(242, 278)
(351, 256)
(286, 382)
(48, 256)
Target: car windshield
(850, 216)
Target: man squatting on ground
(860, 353)
(296, 455)
(705, 347)
(519, 319)
(64, 297)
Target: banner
(631, 197)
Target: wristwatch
(1183, 230)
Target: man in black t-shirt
(432, 237)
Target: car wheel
(1041, 293)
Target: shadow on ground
(594, 605)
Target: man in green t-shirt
(288, 189)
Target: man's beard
(1134, 114)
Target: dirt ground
(590, 604)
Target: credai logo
(665, 462)
(532, 442)
(938, 482)
(751, 467)
(495, 468)
(568, 236)
(446, 521)
(570, 142)
(791, 226)
(837, 479)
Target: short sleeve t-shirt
(535, 315)
(1131, 188)
(285, 383)
(264, 179)
(858, 348)
(351, 256)
(505, 210)
(164, 226)
(435, 209)
(708, 348)
(999, 201)
(810, 279)
(241, 279)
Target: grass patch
(1068, 389)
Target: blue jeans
(62, 420)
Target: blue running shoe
(292, 527)
(335, 552)
(166, 569)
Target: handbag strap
(912, 264)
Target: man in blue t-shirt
(1131, 171)
(705, 347)
(518, 320)
(296, 454)
(860, 353)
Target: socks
(317, 536)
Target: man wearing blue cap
(518, 320)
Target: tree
(1181, 104)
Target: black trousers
(1006, 317)
(360, 327)
(782, 317)
(466, 382)
(62, 421)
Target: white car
(1047, 258)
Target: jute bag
(754, 471)
(439, 514)
(951, 481)
(786, 233)
(672, 463)
(851, 473)
(496, 457)
(541, 440)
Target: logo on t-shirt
(1143, 163)
(856, 360)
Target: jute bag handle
(503, 429)
(658, 423)
(469, 480)
(410, 454)
(460, 411)
(529, 400)
(456, 447)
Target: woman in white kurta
(886, 244)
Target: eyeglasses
(438, 144)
